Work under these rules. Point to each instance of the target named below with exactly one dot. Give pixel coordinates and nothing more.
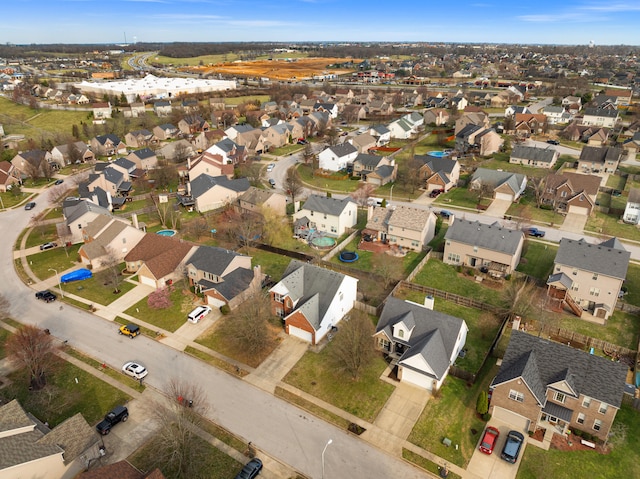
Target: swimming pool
(166, 232)
(438, 154)
(323, 242)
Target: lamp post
(323, 451)
(391, 193)
(59, 284)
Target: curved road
(274, 426)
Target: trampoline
(348, 256)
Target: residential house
(605, 117)
(406, 126)
(503, 184)
(402, 226)
(338, 157)
(572, 104)
(375, 169)
(329, 216)
(257, 200)
(277, 136)
(135, 110)
(599, 159)
(252, 141)
(312, 300)
(592, 135)
(102, 110)
(556, 115)
(623, 96)
(107, 240)
(555, 386)
(78, 213)
(632, 208)
(107, 187)
(212, 192)
(571, 192)
(421, 344)
(363, 142)
(224, 277)
(330, 108)
(513, 110)
(381, 133)
(145, 158)
(231, 152)
(438, 173)
(33, 163)
(526, 125)
(492, 248)
(72, 153)
(138, 138)
(470, 117)
(210, 164)
(166, 131)
(28, 448)
(192, 124)
(162, 108)
(234, 130)
(588, 277)
(108, 145)
(436, 116)
(208, 138)
(354, 113)
(9, 176)
(157, 259)
(176, 151)
(534, 156)
(224, 118)
(459, 102)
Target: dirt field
(279, 69)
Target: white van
(198, 313)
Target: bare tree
(31, 349)
(293, 183)
(519, 297)
(163, 175)
(308, 154)
(539, 185)
(111, 272)
(251, 325)
(353, 347)
(180, 153)
(167, 211)
(247, 229)
(388, 267)
(57, 193)
(332, 136)
(362, 194)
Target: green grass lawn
(623, 461)
(458, 197)
(446, 277)
(194, 61)
(170, 318)
(612, 226)
(53, 259)
(621, 328)
(4, 334)
(41, 234)
(21, 119)
(538, 260)
(238, 100)
(95, 290)
(345, 186)
(633, 285)
(364, 397)
(9, 199)
(63, 396)
(272, 264)
(286, 150)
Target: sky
(569, 22)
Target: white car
(198, 313)
(135, 370)
(270, 167)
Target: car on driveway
(59, 181)
(553, 142)
(135, 370)
(272, 182)
(489, 440)
(29, 206)
(512, 447)
(270, 167)
(302, 141)
(131, 330)
(49, 245)
(113, 417)
(435, 193)
(251, 469)
(46, 296)
(535, 232)
(198, 313)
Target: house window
(280, 312)
(384, 344)
(475, 249)
(278, 298)
(325, 216)
(415, 244)
(454, 258)
(560, 397)
(593, 291)
(580, 419)
(586, 402)
(563, 194)
(334, 229)
(603, 408)
(595, 276)
(311, 214)
(516, 396)
(575, 286)
(401, 333)
(597, 424)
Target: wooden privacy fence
(585, 342)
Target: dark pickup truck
(118, 414)
(535, 232)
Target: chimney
(134, 219)
(428, 302)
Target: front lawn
(612, 226)
(41, 234)
(286, 150)
(170, 318)
(461, 197)
(44, 262)
(364, 397)
(345, 186)
(97, 290)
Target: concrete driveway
(498, 208)
(574, 222)
(485, 466)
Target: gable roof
(144, 153)
(74, 435)
(256, 196)
(204, 183)
(75, 209)
(343, 149)
(436, 164)
(212, 259)
(545, 155)
(493, 237)
(495, 178)
(399, 217)
(325, 205)
(160, 254)
(578, 182)
(608, 258)
(540, 362)
(602, 154)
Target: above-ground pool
(166, 232)
(348, 256)
(438, 154)
(323, 242)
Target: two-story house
(403, 226)
(551, 385)
(258, 201)
(588, 277)
(312, 300)
(212, 192)
(330, 216)
(107, 239)
(138, 138)
(600, 117)
(421, 343)
(338, 157)
(107, 145)
(571, 192)
(166, 131)
(632, 208)
(145, 158)
(374, 169)
(72, 153)
(596, 160)
(491, 248)
(534, 156)
(438, 173)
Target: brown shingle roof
(160, 254)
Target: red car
(489, 440)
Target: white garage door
(504, 196)
(579, 210)
(519, 422)
(300, 333)
(215, 303)
(148, 281)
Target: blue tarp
(76, 275)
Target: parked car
(270, 167)
(198, 313)
(29, 206)
(435, 193)
(49, 245)
(445, 214)
(131, 330)
(553, 142)
(489, 440)
(113, 417)
(272, 182)
(59, 181)
(533, 231)
(46, 296)
(135, 370)
(302, 141)
(512, 447)
(251, 469)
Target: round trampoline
(348, 256)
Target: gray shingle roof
(343, 149)
(433, 337)
(204, 183)
(495, 178)
(368, 160)
(492, 237)
(212, 259)
(325, 205)
(144, 153)
(595, 154)
(608, 258)
(533, 153)
(541, 362)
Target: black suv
(46, 296)
(118, 414)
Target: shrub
(225, 309)
(507, 277)
(482, 403)
(486, 417)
